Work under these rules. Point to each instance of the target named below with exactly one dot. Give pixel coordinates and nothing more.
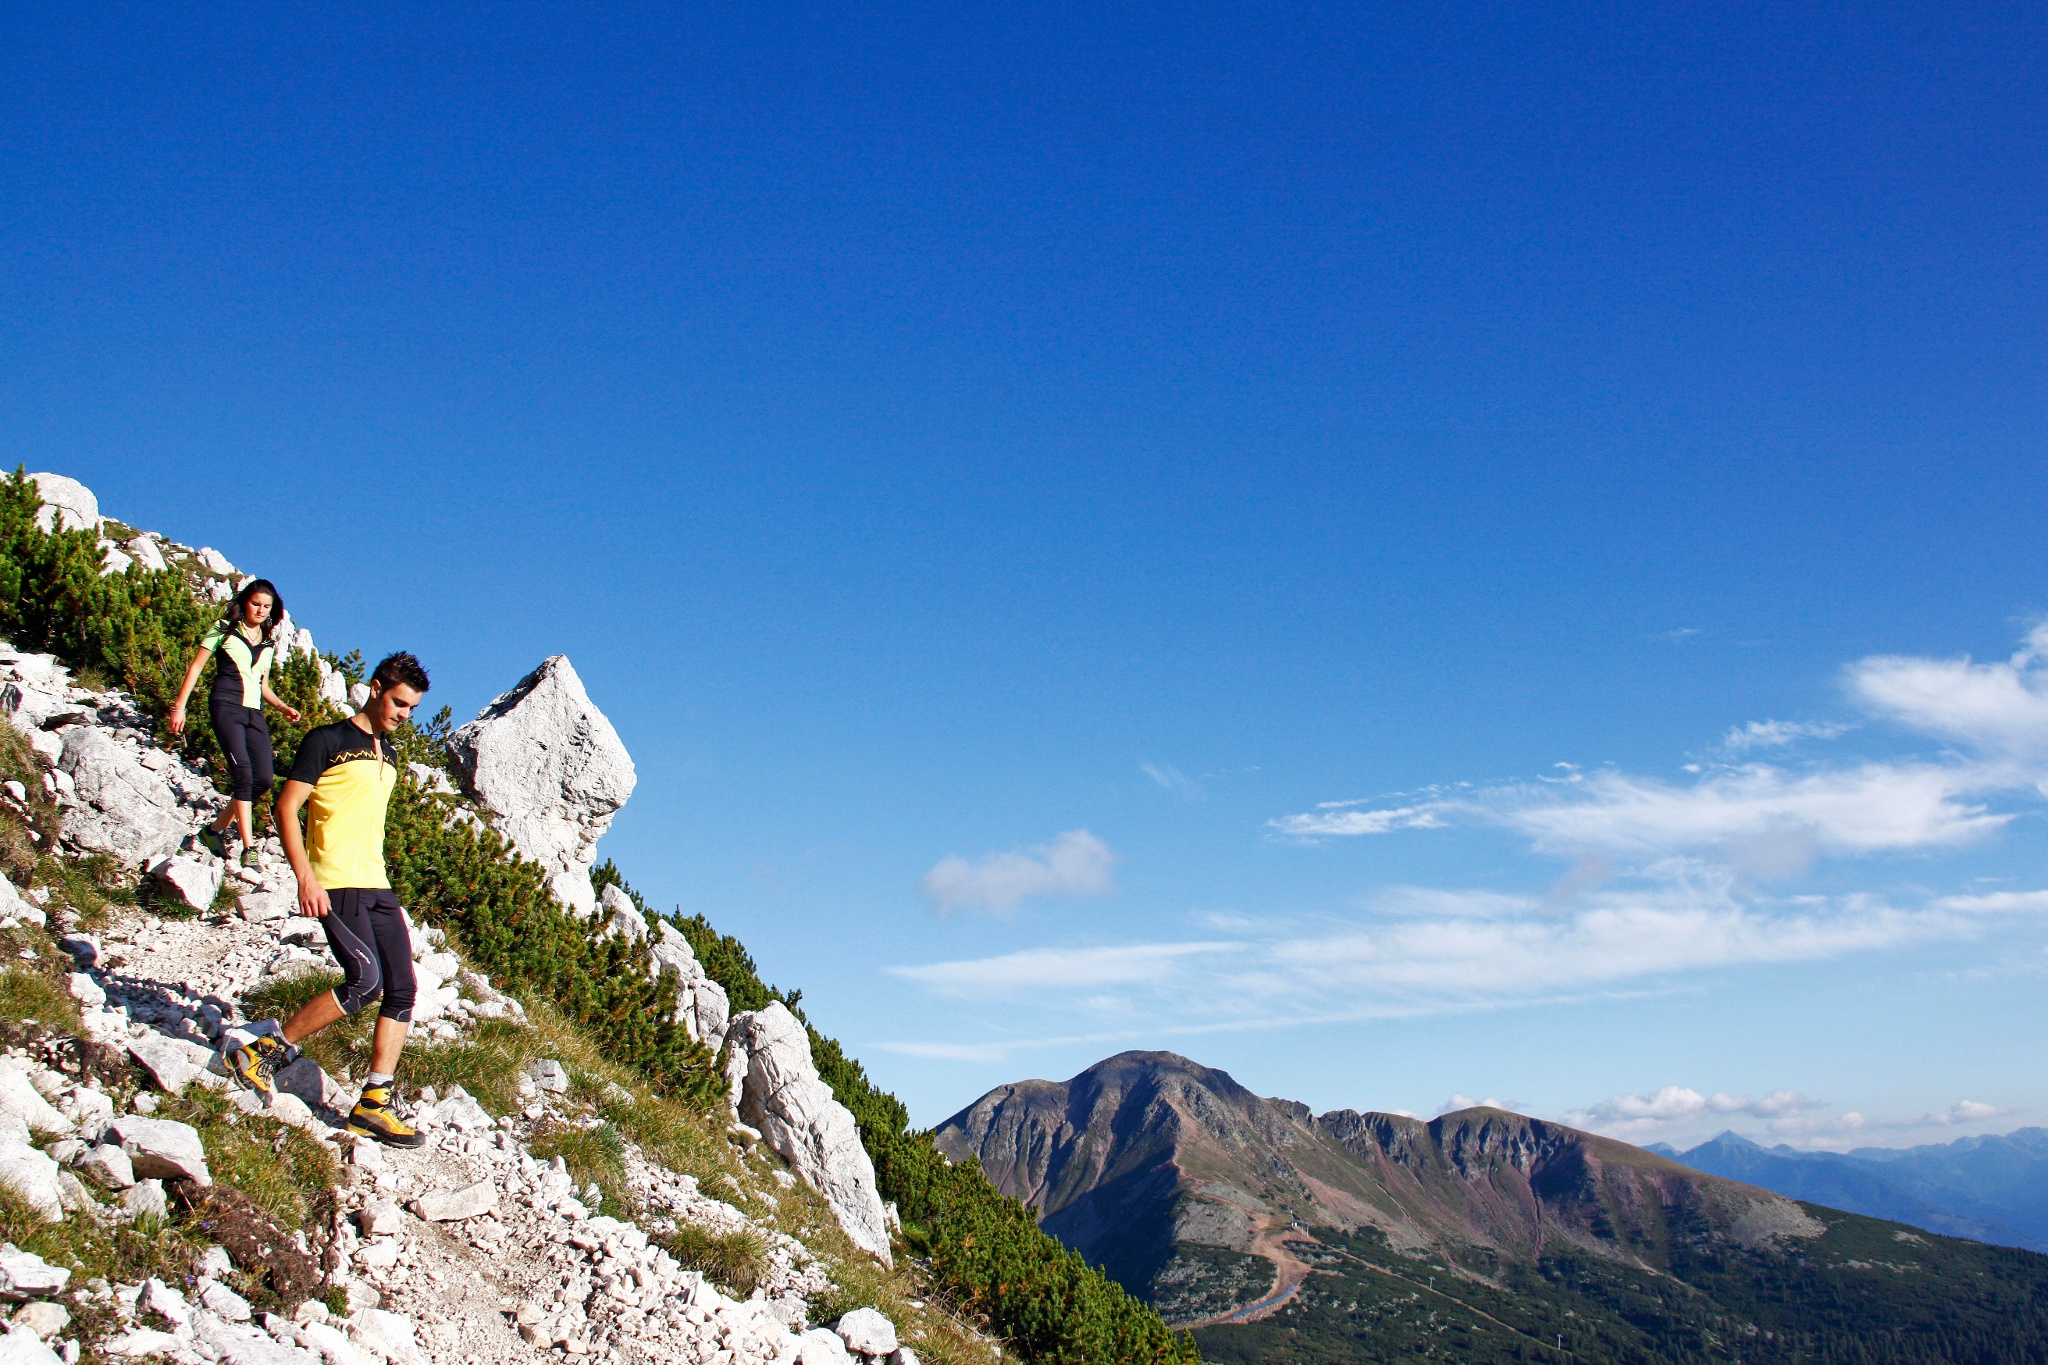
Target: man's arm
(312, 896)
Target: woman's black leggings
(245, 738)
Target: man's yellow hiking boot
(259, 1059)
(373, 1117)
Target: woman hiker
(243, 638)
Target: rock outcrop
(701, 1003)
(127, 806)
(776, 1088)
(67, 504)
(548, 764)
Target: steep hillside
(672, 1066)
(1899, 1190)
(1479, 1234)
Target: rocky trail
(119, 1129)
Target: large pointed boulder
(549, 765)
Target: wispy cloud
(1326, 821)
(1786, 1115)
(1072, 864)
(2000, 710)
(1776, 734)
(1059, 969)
(1171, 779)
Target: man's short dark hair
(400, 668)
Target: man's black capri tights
(366, 930)
(245, 738)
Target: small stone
(549, 1075)
(167, 1063)
(334, 1348)
(866, 1332)
(145, 1199)
(903, 1355)
(86, 991)
(822, 1346)
(44, 1319)
(32, 1175)
(378, 1255)
(163, 1148)
(447, 1206)
(224, 1301)
(159, 1298)
(213, 1262)
(25, 1275)
(382, 1218)
(108, 1167)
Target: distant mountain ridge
(1479, 1236)
(1990, 1188)
(1148, 1150)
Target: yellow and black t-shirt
(351, 773)
(251, 661)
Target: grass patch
(92, 886)
(596, 1154)
(486, 1065)
(27, 993)
(732, 1260)
(113, 1250)
(282, 1170)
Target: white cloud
(2000, 710)
(1171, 779)
(1072, 864)
(1776, 734)
(1318, 823)
(1457, 1100)
(1059, 969)
(1637, 1118)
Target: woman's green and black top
(243, 684)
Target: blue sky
(1257, 531)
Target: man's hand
(312, 898)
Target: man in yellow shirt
(343, 776)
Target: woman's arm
(177, 717)
(291, 712)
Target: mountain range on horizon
(1480, 1235)
(1991, 1188)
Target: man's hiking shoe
(258, 1060)
(373, 1117)
(216, 842)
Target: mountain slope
(1479, 1235)
(1878, 1190)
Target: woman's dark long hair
(249, 590)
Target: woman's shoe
(216, 842)
(251, 858)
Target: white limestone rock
(621, 916)
(108, 1167)
(113, 561)
(449, 1206)
(123, 807)
(161, 1148)
(166, 1060)
(193, 879)
(549, 765)
(26, 1348)
(25, 1275)
(775, 1087)
(822, 1346)
(220, 1299)
(19, 1097)
(144, 551)
(334, 1348)
(866, 1332)
(67, 502)
(85, 990)
(215, 561)
(44, 1319)
(145, 1199)
(306, 1082)
(701, 1003)
(33, 1176)
(375, 1332)
(549, 1075)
